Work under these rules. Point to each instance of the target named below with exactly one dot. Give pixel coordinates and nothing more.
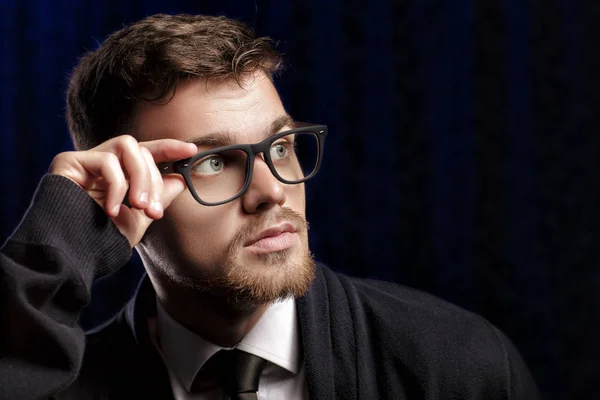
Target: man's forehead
(238, 114)
(227, 137)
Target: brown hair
(146, 61)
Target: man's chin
(269, 277)
(246, 278)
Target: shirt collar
(275, 338)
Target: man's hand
(107, 171)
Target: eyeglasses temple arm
(166, 168)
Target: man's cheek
(295, 199)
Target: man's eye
(210, 165)
(279, 150)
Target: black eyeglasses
(221, 175)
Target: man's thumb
(174, 185)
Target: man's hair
(147, 60)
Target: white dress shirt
(275, 337)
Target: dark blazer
(361, 339)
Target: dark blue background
(462, 157)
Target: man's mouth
(276, 238)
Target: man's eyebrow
(285, 121)
(226, 137)
(215, 139)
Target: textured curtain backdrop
(462, 157)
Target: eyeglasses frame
(183, 167)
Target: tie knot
(236, 371)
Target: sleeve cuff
(63, 216)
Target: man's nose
(265, 190)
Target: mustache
(263, 221)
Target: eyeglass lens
(221, 176)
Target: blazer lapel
(152, 378)
(327, 334)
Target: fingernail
(144, 197)
(156, 206)
(116, 209)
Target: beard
(245, 280)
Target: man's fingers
(125, 164)
(85, 167)
(139, 162)
(174, 185)
(132, 223)
(155, 210)
(169, 149)
(162, 150)
(116, 184)
(136, 168)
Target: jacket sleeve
(64, 241)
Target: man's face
(210, 248)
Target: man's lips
(276, 238)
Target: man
(185, 152)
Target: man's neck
(209, 315)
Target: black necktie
(237, 372)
